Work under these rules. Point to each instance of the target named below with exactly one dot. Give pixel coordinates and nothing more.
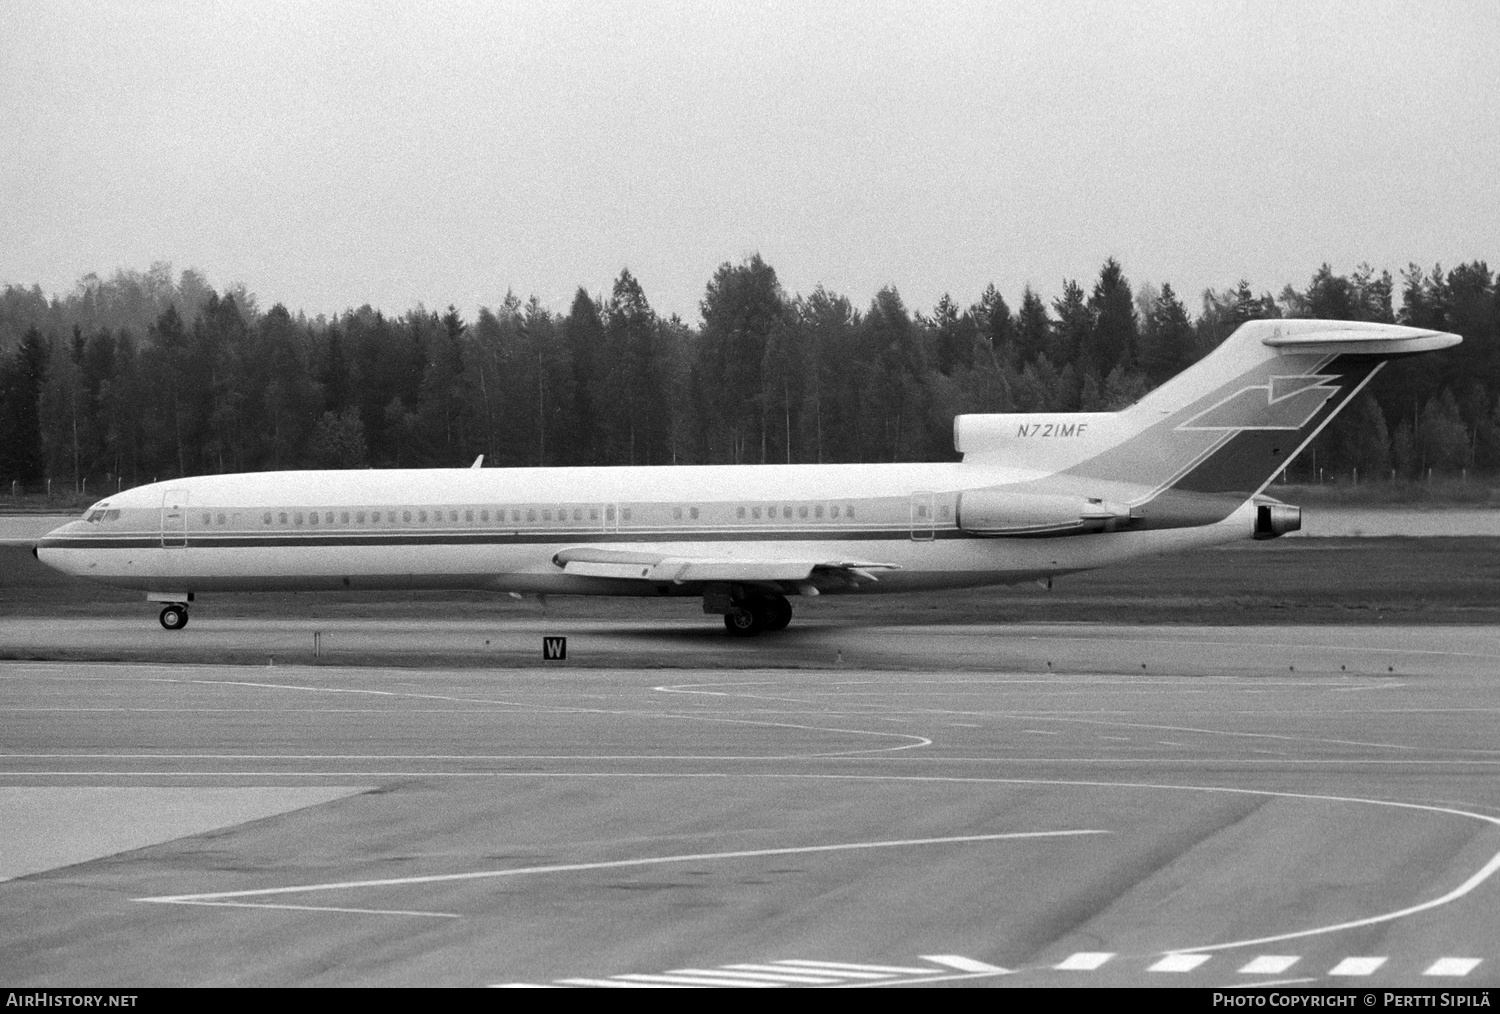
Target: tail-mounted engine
(1274, 518)
(1000, 513)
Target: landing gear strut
(174, 616)
(749, 616)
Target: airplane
(1035, 496)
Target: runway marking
(757, 978)
(1179, 963)
(916, 741)
(1452, 966)
(794, 972)
(692, 980)
(609, 865)
(1357, 966)
(1270, 964)
(855, 970)
(963, 964)
(1084, 961)
(320, 908)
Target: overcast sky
(329, 155)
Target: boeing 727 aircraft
(1035, 496)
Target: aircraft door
(921, 516)
(174, 506)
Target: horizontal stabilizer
(1352, 337)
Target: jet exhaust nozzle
(1276, 519)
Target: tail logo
(1285, 403)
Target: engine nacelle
(996, 512)
(1274, 519)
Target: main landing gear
(174, 616)
(749, 616)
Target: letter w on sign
(554, 649)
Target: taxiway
(1009, 806)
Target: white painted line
(884, 971)
(781, 970)
(693, 980)
(620, 984)
(760, 977)
(610, 865)
(321, 908)
(1356, 966)
(962, 963)
(1084, 961)
(1453, 966)
(520, 985)
(1271, 964)
(1179, 963)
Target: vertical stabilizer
(1197, 447)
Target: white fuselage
(501, 528)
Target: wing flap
(630, 564)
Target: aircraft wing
(604, 561)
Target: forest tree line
(147, 376)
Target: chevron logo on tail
(1285, 403)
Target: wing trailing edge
(635, 565)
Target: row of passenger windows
(435, 516)
(527, 515)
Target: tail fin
(1215, 435)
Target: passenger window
(834, 512)
(266, 518)
(531, 514)
(344, 518)
(848, 511)
(943, 512)
(577, 513)
(406, 516)
(802, 511)
(283, 517)
(297, 518)
(208, 519)
(515, 516)
(921, 510)
(693, 512)
(817, 510)
(755, 513)
(313, 517)
(786, 511)
(739, 512)
(484, 516)
(469, 516)
(546, 515)
(609, 513)
(593, 513)
(360, 517)
(625, 514)
(328, 518)
(676, 513)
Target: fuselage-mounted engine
(1274, 518)
(1001, 513)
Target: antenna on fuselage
(478, 461)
